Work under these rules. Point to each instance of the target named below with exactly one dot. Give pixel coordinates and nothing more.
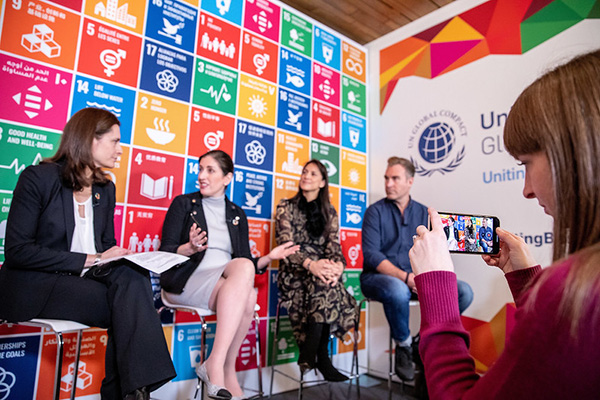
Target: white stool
(203, 313)
(391, 371)
(60, 326)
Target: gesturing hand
(430, 248)
(284, 250)
(198, 241)
(514, 253)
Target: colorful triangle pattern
(494, 27)
(488, 338)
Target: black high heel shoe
(139, 394)
(213, 391)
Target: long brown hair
(559, 115)
(75, 149)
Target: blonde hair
(559, 115)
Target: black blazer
(39, 232)
(185, 210)
(447, 232)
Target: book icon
(326, 129)
(155, 189)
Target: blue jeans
(395, 295)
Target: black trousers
(117, 297)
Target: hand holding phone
(429, 251)
(471, 234)
(514, 254)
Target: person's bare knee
(240, 269)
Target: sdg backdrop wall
(450, 78)
(254, 78)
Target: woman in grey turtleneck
(213, 232)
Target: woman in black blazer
(213, 232)
(59, 226)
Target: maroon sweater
(540, 360)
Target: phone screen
(471, 234)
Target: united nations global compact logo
(437, 143)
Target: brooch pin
(97, 196)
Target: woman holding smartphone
(553, 129)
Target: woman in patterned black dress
(309, 280)
(470, 235)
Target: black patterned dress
(308, 298)
(470, 234)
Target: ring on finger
(415, 237)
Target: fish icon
(294, 80)
(353, 217)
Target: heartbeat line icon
(222, 94)
(19, 168)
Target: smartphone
(471, 234)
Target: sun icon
(258, 106)
(354, 176)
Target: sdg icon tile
(354, 62)
(172, 22)
(21, 147)
(257, 100)
(210, 131)
(292, 152)
(166, 72)
(218, 40)
(129, 15)
(254, 146)
(259, 57)
(215, 87)
(40, 31)
(325, 123)
(231, 10)
(293, 112)
(326, 84)
(354, 169)
(294, 71)
(330, 157)
(155, 178)
(354, 204)
(252, 190)
(161, 124)
(110, 53)
(327, 48)
(354, 132)
(262, 17)
(120, 101)
(296, 33)
(354, 96)
(33, 94)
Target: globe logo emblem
(436, 142)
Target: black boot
(324, 365)
(420, 383)
(308, 350)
